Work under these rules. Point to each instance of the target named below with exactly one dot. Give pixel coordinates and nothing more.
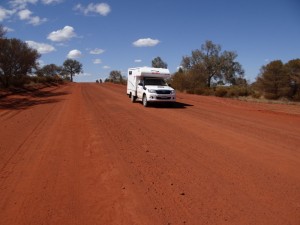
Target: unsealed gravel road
(84, 154)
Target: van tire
(132, 98)
(145, 102)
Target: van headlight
(173, 92)
(151, 91)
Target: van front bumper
(161, 98)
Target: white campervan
(148, 84)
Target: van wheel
(132, 98)
(145, 102)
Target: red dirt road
(84, 154)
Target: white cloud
(101, 8)
(5, 13)
(37, 20)
(137, 60)
(7, 29)
(62, 35)
(97, 51)
(42, 48)
(97, 61)
(146, 42)
(25, 14)
(73, 54)
(21, 4)
(48, 2)
(106, 67)
(19, 7)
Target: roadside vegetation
(211, 71)
(115, 76)
(19, 67)
(207, 71)
(279, 81)
(276, 81)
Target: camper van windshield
(154, 81)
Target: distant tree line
(207, 71)
(115, 76)
(19, 65)
(279, 80)
(210, 71)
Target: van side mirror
(140, 84)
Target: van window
(155, 81)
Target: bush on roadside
(256, 94)
(271, 96)
(33, 82)
(221, 91)
(233, 91)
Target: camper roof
(150, 71)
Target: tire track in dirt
(263, 179)
(100, 159)
(27, 179)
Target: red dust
(84, 154)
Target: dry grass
(264, 100)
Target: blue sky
(115, 34)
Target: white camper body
(148, 84)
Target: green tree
(178, 80)
(16, 60)
(115, 76)
(49, 70)
(191, 81)
(214, 64)
(72, 67)
(293, 70)
(231, 71)
(274, 80)
(159, 63)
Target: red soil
(84, 154)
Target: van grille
(163, 92)
(163, 98)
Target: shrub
(199, 91)
(256, 94)
(221, 91)
(296, 96)
(271, 96)
(19, 81)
